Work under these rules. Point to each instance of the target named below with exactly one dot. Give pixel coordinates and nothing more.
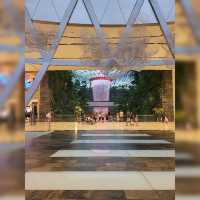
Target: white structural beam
(103, 63)
(163, 25)
(47, 59)
(192, 18)
(19, 68)
(131, 21)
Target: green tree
(142, 95)
(67, 93)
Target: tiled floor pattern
(114, 153)
(187, 197)
(120, 141)
(187, 170)
(101, 180)
(12, 197)
(100, 195)
(115, 135)
(112, 165)
(44, 126)
(11, 170)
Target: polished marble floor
(44, 126)
(11, 171)
(104, 165)
(188, 169)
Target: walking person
(128, 118)
(49, 119)
(133, 120)
(103, 117)
(28, 113)
(34, 115)
(95, 117)
(121, 116)
(117, 117)
(162, 119)
(99, 116)
(166, 121)
(136, 120)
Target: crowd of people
(128, 117)
(93, 118)
(97, 117)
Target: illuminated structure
(101, 93)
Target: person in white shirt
(49, 118)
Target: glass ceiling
(109, 12)
(119, 78)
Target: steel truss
(48, 60)
(19, 68)
(195, 27)
(92, 63)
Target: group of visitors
(129, 117)
(164, 119)
(97, 117)
(132, 119)
(93, 118)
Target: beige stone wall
(198, 91)
(73, 46)
(189, 91)
(188, 39)
(182, 26)
(167, 94)
(44, 100)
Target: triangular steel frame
(195, 27)
(33, 32)
(19, 69)
(48, 59)
(163, 25)
(160, 18)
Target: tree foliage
(142, 96)
(67, 93)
